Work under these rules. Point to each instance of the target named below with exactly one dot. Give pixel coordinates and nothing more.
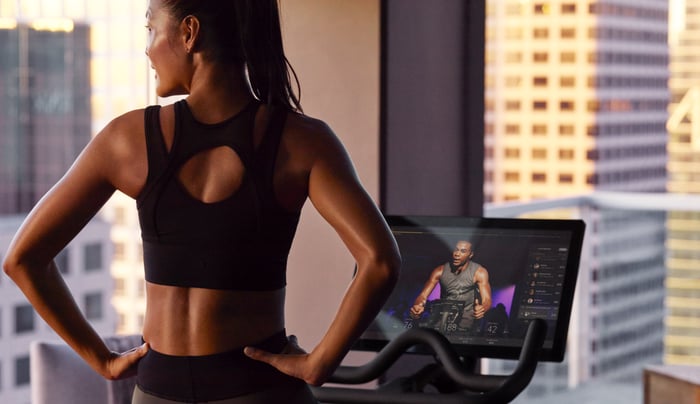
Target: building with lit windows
(576, 101)
(682, 344)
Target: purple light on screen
(503, 296)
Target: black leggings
(228, 377)
(302, 395)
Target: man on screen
(460, 280)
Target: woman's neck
(218, 91)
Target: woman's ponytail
(269, 71)
(246, 32)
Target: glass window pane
(24, 318)
(93, 306)
(22, 371)
(93, 256)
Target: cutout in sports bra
(224, 230)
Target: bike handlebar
(477, 388)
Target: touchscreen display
(481, 281)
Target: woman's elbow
(388, 268)
(10, 265)
(14, 264)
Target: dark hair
(245, 32)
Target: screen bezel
(555, 353)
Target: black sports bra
(238, 243)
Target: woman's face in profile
(165, 50)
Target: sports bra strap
(266, 153)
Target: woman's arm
(337, 194)
(49, 227)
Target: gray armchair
(59, 375)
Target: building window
(121, 321)
(566, 178)
(566, 105)
(566, 130)
(567, 57)
(119, 250)
(512, 129)
(93, 256)
(539, 105)
(592, 130)
(566, 154)
(568, 33)
(567, 81)
(93, 306)
(62, 262)
(24, 318)
(568, 8)
(539, 129)
(540, 57)
(512, 153)
(539, 154)
(541, 8)
(539, 81)
(540, 33)
(512, 105)
(539, 177)
(512, 176)
(22, 371)
(119, 286)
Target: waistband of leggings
(210, 377)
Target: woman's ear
(190, 32)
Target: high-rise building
(45, 115)
(682, 341)
(576, 101)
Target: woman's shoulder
(305, 125)
(309, 132)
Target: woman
(219, 179)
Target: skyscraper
(576, 102)
(683, 283)
(45, 115)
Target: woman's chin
(168, 92)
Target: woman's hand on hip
(123, 365)
(293, 361)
